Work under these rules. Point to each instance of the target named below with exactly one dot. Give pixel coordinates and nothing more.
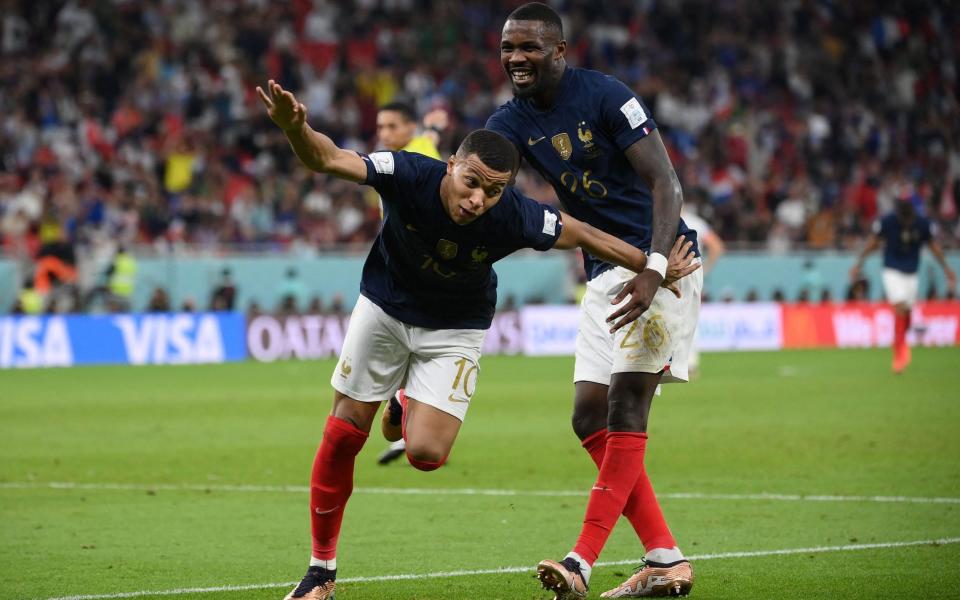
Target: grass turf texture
(833, 423)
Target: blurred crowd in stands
(134, 122)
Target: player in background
(712, 248)
(397, 130)
(428, 294)
(593, 139)
(902, 233)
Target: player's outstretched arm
(577, 234)
(315, 150)
(871, 246)
(937, 252)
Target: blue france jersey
(578, 146)
(902, 244)
(426, 270)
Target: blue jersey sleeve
(393, 174)
(538, 226)
(626, 118)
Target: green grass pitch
(178, 481)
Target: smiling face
(532, 54)
(471, 188)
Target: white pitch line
(299, 489)
(501, 570)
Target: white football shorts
(439, 367)
(660, 339)
(900, 287)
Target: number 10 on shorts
(467, 378)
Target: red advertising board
(864, 325)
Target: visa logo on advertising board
(171, 339)
(35, 342)
(121, 339)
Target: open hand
(679, 264)
(641, 290)
(283, 108)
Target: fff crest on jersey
(586, 138)
(562, 144)
(479, 254)
(446, 249)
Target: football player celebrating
(428, 292)
(594, 140)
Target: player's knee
(426, 457)
(586, 423)
(425, 465)
(589, 409)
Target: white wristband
(657, 262)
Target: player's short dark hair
(493, 150)
(538, 11)
(405, 110)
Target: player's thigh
(375, 355)
(444, 369)
(660, 339)
(430, 432)
(593, 355)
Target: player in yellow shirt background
(397, 130)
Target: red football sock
(622, 465)
(331, 483)
(642, 509)
(900, 324)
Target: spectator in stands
(292, 293)
(225, 294)
(123, 278)
(159, 301)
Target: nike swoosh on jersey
(325, 512)
(532, 141)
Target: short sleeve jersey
(902, 243)
(426, 270)
(578, 146)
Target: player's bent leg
(655, 580)
(430, 434)
(391, 423)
